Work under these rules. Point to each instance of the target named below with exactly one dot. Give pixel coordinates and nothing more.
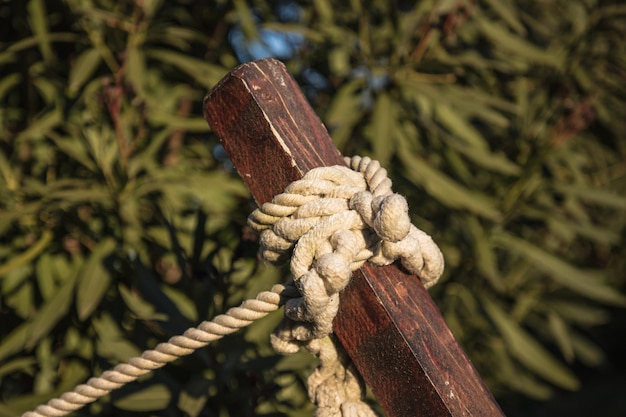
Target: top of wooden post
(387, 322)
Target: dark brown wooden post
(387, 321)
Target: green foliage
(499, 120)
(120, 228)
(493, 118)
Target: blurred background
(122, 222)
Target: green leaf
(83, 69)
(172, 121)
(339, 61)
(15, 341)
(140, 308)
(10, 179)
(345, 112)
(95, 279)
(528, 351)
(111, 341)
(75, 372)
(325, 10)
(42, 126)
(150, 7)
(310, 34)
(8, 82)
(579, 313)
(136, 71)
(16, 277)
(193, 398)
(516, 377)
(97, 195)
(246, 19)
(38, 20)
(601, 197)
(475, 102)
(507, 11)
(55, 308)
(586, 351)
(30, 41)
(201, 71)
(48, 90)
(181, 300)
(18, 405)
(16, 365)
(518, 46)
(561, 334)
(486, 159)
(47, 366)
(484, 254)
(444, 189)
(154, 398)
(586, 283)
(583, 228)
(74, 148)
(29, 254)
(22, 300)
(383, 123)
(152, 291)
(45, 278)
(459, 127)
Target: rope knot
(387, 215)
(330, 222)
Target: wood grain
(387, 321)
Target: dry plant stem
(175, 141)
(113, 95)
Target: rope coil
(330, 223)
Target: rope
(164, 353)
(330, 223)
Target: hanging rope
(330, 222)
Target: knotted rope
(331, 222)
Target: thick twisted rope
(330, 222)
(164, 353)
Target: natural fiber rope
(164, 353)
(330, 222)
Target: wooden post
(387, 322)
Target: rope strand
(164, 353)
